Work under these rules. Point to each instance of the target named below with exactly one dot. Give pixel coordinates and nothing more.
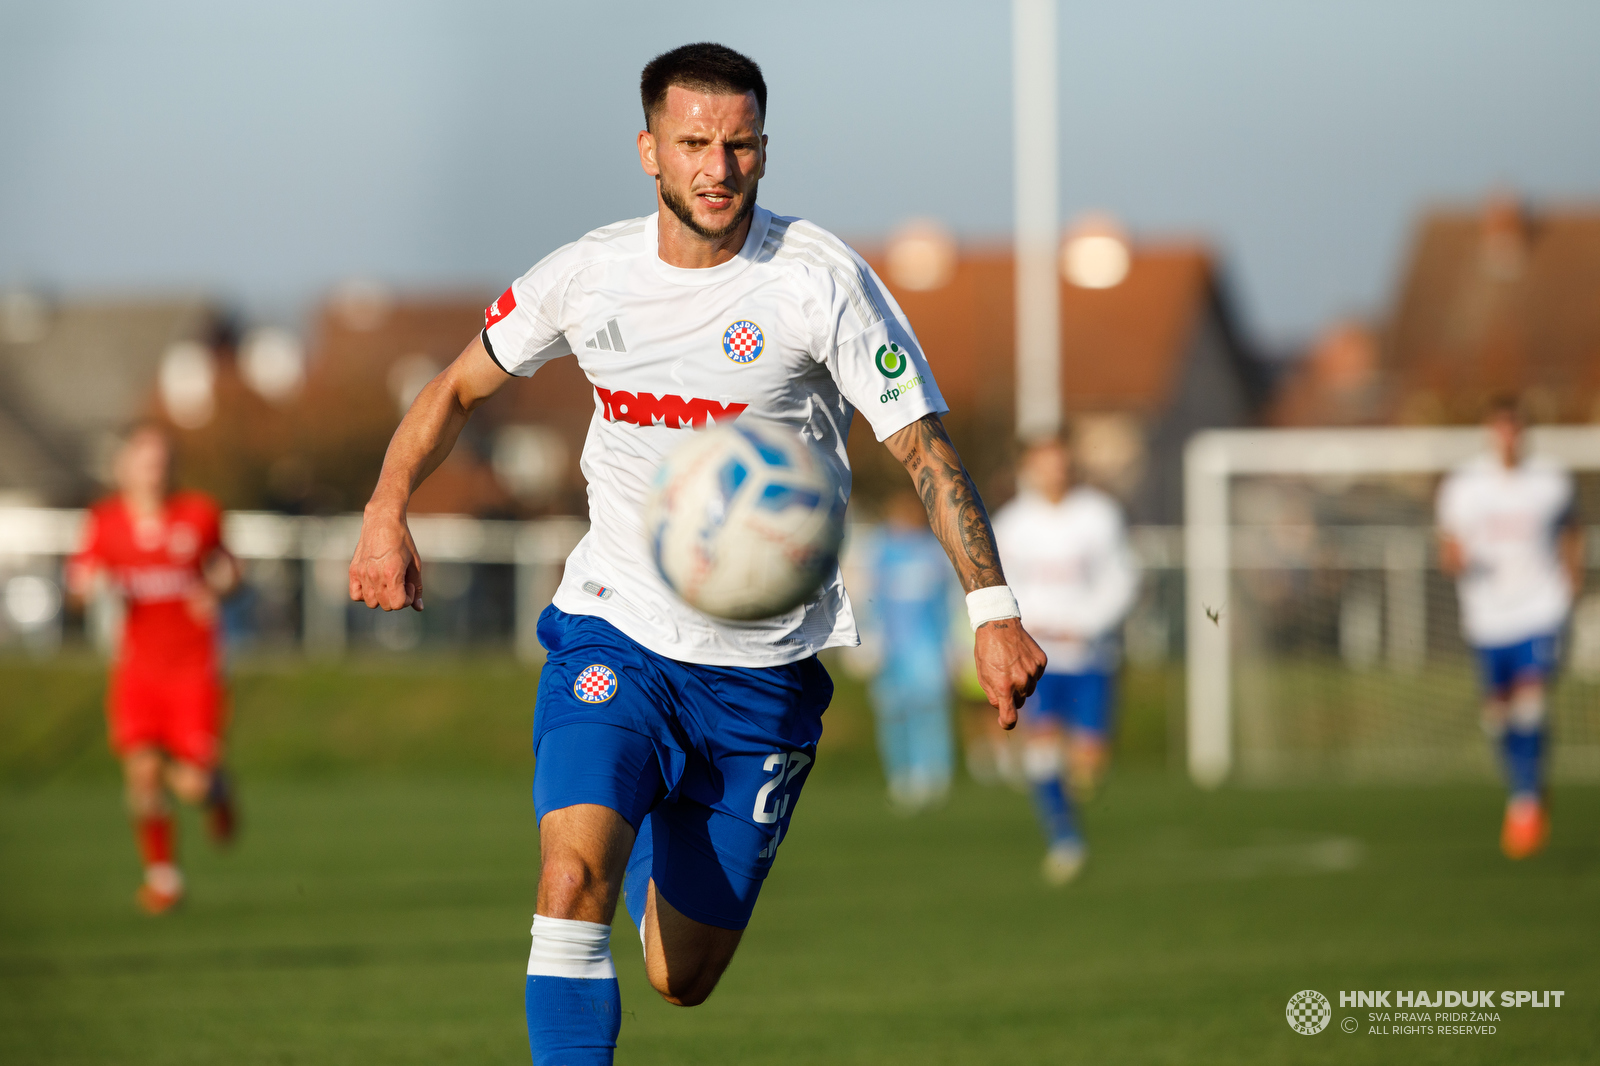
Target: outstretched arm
(1009, 662)
(386, 571)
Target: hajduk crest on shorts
(595, 684)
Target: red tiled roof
(1120, 347)
(1497, 301)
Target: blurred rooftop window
(273, 363)
(921, 256)
(1095, 254)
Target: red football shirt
(155, 565)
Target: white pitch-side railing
(537, 550)
(1213, 458)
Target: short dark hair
(1505, 405)
(704, 67)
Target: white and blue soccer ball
(745, 520)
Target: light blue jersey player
(1506, 534)
(911, 586)
(1066, 550)
(671, 747)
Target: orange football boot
(153, 901)
(1526, 827)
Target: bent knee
(567, 885)
(690, 991)
(190, 783)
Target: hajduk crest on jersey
(742, 342)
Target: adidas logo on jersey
(607, 339)
(675, 412)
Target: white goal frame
(1214, 457)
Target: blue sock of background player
(1524, 752)
(1522, 743)
(1046, 781)
(574, 1009)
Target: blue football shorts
(1535, 658)
(714, 755)
(1076, 701)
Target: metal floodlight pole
(1038, 226)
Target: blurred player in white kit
(1506, 534)
(1065, 549)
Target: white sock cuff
(1526, 710)
(1041, 760)
(563, 947)
(164, 877)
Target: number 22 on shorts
(787, 765)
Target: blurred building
(74, 373)
(1496, 298)
(1151, 351)
(317, 447)
(263, 419)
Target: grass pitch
(380, 915)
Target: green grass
(379, 915)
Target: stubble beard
(685, 213)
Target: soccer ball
(745, 520)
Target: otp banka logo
(1308, 1012)
(892, 362)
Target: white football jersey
(795, 329)
(1514, 587)
(1072, 571)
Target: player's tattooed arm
(954, 508)
(1009, 662)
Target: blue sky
(266, 151)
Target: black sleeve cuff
(484, 335)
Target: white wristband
(986, 605)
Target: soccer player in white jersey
(1066, 550)
(1506, 535)
(671, 747)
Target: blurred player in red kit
(161, 551)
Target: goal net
(1323, 642)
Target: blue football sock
(1524, 755)
(1043, 764)
(1055, 810)
(636, 882)
(574, 1009)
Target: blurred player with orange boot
(161, 551)
(1506, 534)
